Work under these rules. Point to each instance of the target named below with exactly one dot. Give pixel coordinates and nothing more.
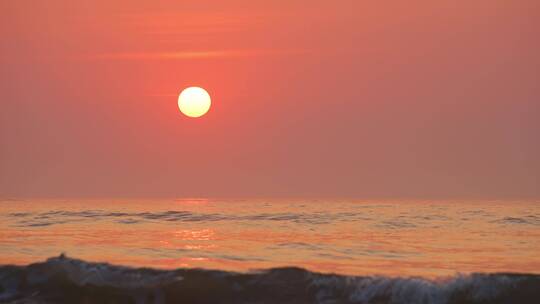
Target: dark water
(65, 280)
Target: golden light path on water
(397, 238)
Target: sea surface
(255, 250)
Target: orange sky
(310, 98)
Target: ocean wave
(67, 280)
(525, 220)
(61, 217)
(56, 217)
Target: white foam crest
(414, 290)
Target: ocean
(269, 251)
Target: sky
(363, 99)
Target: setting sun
(194, 102)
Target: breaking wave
(66, 280)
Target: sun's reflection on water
(350, 237)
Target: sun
(194, 102)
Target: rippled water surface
(397, 238)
